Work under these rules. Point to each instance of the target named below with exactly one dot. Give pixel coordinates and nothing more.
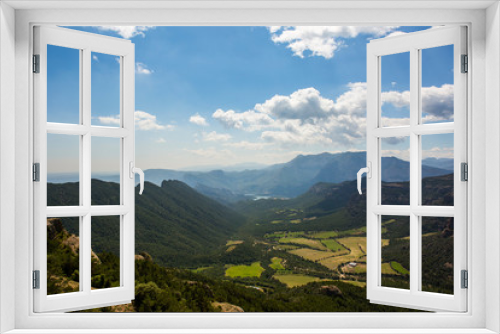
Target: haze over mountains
(287, 179)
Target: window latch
(134, 170)
(368, 171)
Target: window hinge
(36, 63)
(36, 172)
(464, 170)
(465, 279)
(465, 64)
(36, 279)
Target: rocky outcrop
(226, 307)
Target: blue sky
(219, 96)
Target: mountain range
(286, 180)
(292, 178)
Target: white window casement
(414, 45)
(472, 310)
(84, 132)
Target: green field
(253, 270)
(387, 269)
(399, 268)
(312, 254)
(277, 263)
(324, 235)
(295, 280)
(316, 244)
(332, 245)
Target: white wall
(7, 159)
(492, 166)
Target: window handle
(368, 171)
(135, 170)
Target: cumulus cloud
(127, 31)
(304, 117)
(321, 41)
(437, 102)
(143, 121)
(141, 68)
(198, 120)
(146, 121)
(109, 120)
(248, 120)
(307, 118)
(161, 141)
(214, 136)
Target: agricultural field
(316, 244)
(277, 263)
(293, 280)
(333, 245)
(253, 270)
(312, 254)
(324, 235)
(387, 269)
(399, 268)
(359, 269)
(357, 245)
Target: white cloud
(438, 152)
(321, 41)
(161, 141)
(127, 31)
(146, 121)
(141, 68)
(304, 117)
(109, 120)
(307, 118)
(248, 120)
(95, 58)
(437, 102)
(198, 120)
(245, 145)
(214, 136)
(143, 121)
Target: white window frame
(86, 44)
(413, 43)
(484, 102)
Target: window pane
(395, 167)
(105, 90)
(106, 167)
(437, 84)
(437, 169)
(63, 85)
(105, 252)
(63, 170)
(63, 255)
(437, 254)
(395, 89)
(396, 252)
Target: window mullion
(415, 247)
(85, 161)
